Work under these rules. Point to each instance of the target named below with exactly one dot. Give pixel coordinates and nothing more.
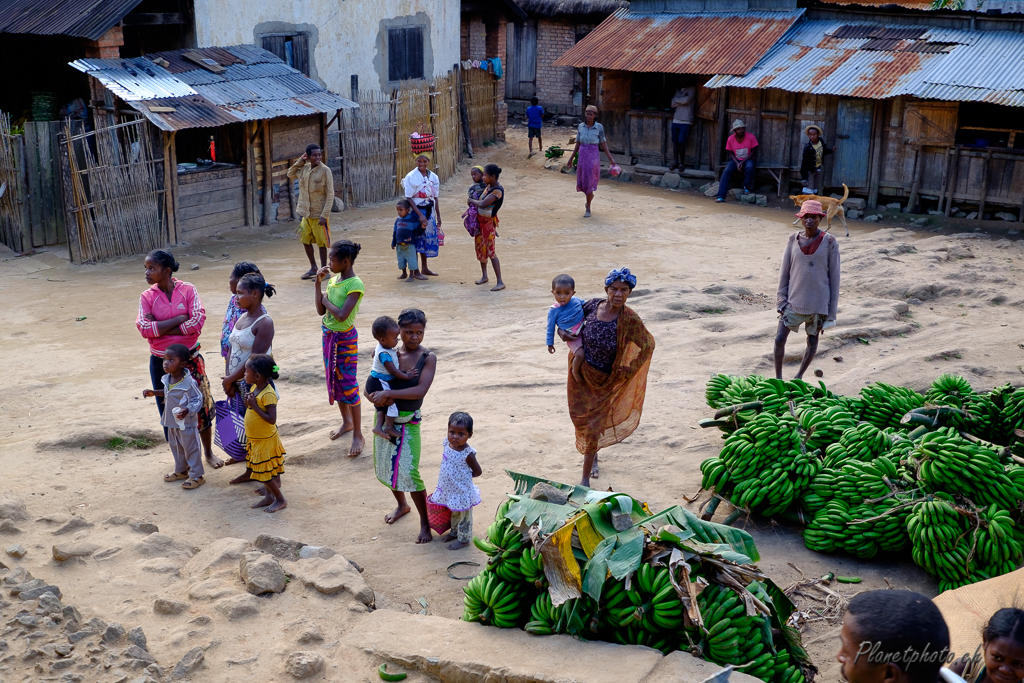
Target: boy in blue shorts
(403, 241)
(534, 121)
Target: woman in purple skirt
(590, 141)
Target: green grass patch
(120, 443)
(712, 311)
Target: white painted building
(379, 41)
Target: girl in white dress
(455, 488)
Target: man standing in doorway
(316, 199)
(808, 286)
(682, 102)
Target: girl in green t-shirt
(339, 306)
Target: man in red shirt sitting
(741, 148)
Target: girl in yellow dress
(265, 460)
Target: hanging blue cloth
(496, 62)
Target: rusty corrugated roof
(254, 85)
(696, 43)
(872, 61)
(982, 6)
(82, 18)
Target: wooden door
(853, 134)
(521, 76)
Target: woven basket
(438, 517)
(424, 143)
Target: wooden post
(984, 186)
(945, 178)
(268, 174)
(916, 186)
(790, 120)
(169, 216)
(73, 230)
(22, 192)
(250, 175)
(723, 123)
(952, 179)
(875, 172)
(171, 188)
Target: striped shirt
(184, 301)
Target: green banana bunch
(985, 419)
(948, 462)
(575, 616)
(940, 538)
(716, 476)
(824, 421)
(531, 566)
(949, 390)
(827, 531)
(490, 600)
(766, 464)
(863, 442)
(716, 390)
(1013, 408)
(994, 540)
(884, 405)
(731, 636)
(504, 545)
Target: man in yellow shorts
(316, 199)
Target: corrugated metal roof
(983, 6)
(823, 57)
(82, 18)
(263, 89)
(698, 43)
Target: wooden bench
(780, 174)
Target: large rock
(684, 184)
(16, 551)
(221, 553)
(66, 551)
(1005, 216)
(168, 606)
(212, 589)
(304, 664)
(35, 593)
(192, 660)
(162, 545)
(761, 200)
(652, 170)
(698, 173)
(670, 180)
(137, 636)
(711, 190)
(461, 651)
(284, 548)
(50, 604)
(12, 507)
(261, 573)
(238, 606)
(338, 205)
(749, 198)
(333, 576)
(682, 667)
(73, 524)
(855, 203)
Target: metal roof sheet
(970, 66)
(82, 18)
(698, 43)
(267, 88)
(983, 6)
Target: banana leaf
(629, 550)
(547, 515)
(740, 541)
(525, 483)
(596, 570)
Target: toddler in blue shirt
(403, 241)
(567, 314)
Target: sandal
(175, 476)
(193, 483)
(309, 274)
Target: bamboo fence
(368, 148)
(112, 191)
(10, 214)
(480, 90)
(413, 116)
(444, 112)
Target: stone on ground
(735, 192)
(73, 524)
(310, 633)
(13, 508)
(162, 545)
(284, 548)
(50, 604)
(114, 633)
(137, 637)
(16, 551)
(337, 574)
(338, 205)
(685, 184)
(304, 664)
(168, 606)
(459, 650)
(749, 199)
(143, 527)
(855, 203)
(653, 170)
(221, 553)
(238, 606)
(625, 177)
(711, 190)
(1005, 216)
(211, 589)
(322, 552)
(192, 660)
(873, 218)
(670, 180)
(761, 200)
(66, 551)
(261, 573)
(9, 527)
(853, 214)
(972, 215)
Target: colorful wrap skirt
(340, 349)
(397, 465)
(588, 168)
(484, 239)
(265, 457)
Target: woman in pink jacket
(170, 312)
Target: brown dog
(833, 207)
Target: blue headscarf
(621, 274)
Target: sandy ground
(707, 279)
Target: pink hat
(810, 207)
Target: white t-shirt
(421, 188)
(383, 355)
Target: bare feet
(425, 535)
(450, 536)
(586, 214)
(397, 514)
(594, 473)
(585, 481)
(410, 278)
(427, 272)
(402, 276)
(260, 491)
(242, 478)
(345, 428)
(263, 502)
(498, 287)
(420, 276)
(380, 431)
(457, 545)
(215, 462)
(232, 461)
(482, 280)
(392, 432)
(357, 445)
(279, 505)
(528, 156)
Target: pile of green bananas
(884, 405)
(652, 606)
(504, 547)
(531, 566)
(950, 463)
(949, 390)
(824, 421)
(576, 616)
(861, 530)
(491, 600)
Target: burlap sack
(967, 610)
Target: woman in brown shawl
(605, 406)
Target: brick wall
(107, 47)
(480, 41)
(555, 84)
(464, 39)
(477, 38)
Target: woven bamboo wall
(10, 214)
(413, 115)
(480, 90)
(444, 112)
(368, 148)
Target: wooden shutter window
(405, 53)
(300, 53)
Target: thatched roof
(550, 8)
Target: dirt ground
(913, 305)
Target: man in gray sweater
(808, 285)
